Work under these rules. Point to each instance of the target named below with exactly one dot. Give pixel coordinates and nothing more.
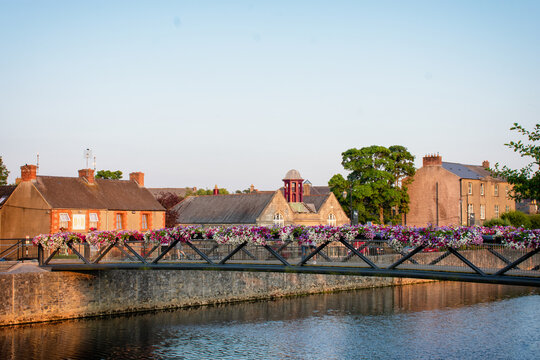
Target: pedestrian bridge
(487, 263)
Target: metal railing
(490, 262)
(17, 249)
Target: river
(442, 320)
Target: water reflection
(433, 320)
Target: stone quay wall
(47, 296)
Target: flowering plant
(57, 240)
(397, 237)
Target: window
(331, 219)
(482, 189)
(93, 219)
(470, 189)
(144, 221)
(496, 190)
(482, 212)
(507, 208)
(507, 189)
(470, 209)
(119, 222)
(79, 221)
(64, 220)
(496, 211)
(278, 219)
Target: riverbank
(35, 295)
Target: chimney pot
(485, 164)
(138, 177)
(88, 175)
(432, 160)
(28, 172)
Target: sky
(233, 93)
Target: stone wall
(46, 296)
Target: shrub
(517, 219)
(496, 222)
(535, 221)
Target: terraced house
(47, 204)
(446, 193)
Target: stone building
(298, 203)
(445, 193)
(47, 204)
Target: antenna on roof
(87, 155)
(37, 164)
(94, 163)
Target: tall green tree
(377, 182)
(525, 181)
(3, 173)
(108, 174)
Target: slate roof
(468, 171)
(317, 200)
(223, 209)
(5, 192)
(320, 190)
(76, 193)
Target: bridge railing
(487, 262)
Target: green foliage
(203, 192)
(108, 174)
(3, 173)
(535, 221)
(526, 181)
(517, 219)
(377, 183)
(496, 222)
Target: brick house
(296, 203)
(47, 204)
(445, 193)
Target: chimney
(485, 164)
(307, 189)
(138, 177)
(216, 190)
(252, 188)
(28, 172)
(432, 160)
(88, 175)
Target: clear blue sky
(197, 93)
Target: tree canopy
(168, 200)
(108, 174)
(377, 182)
(525, 181)
(3, 173)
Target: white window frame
(144, 221)
(331, 220)
(470, 209)
(482, 189)
(482, 212)
(496, 190)
(63, 221)
(470, 188)
(79, 222)
(93, 217)
(496, 208)
(278, 219)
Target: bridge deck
(486, 263)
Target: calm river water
(426, 321)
